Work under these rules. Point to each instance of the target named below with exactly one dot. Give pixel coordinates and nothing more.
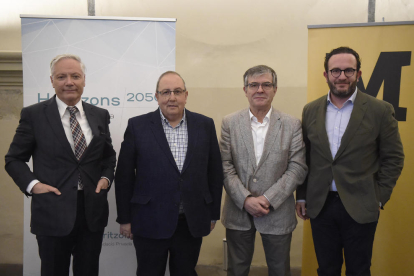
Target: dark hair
(342, 50)
(258, 71)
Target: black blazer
(149, 186)
(40, 135)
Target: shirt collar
(266, 118)
(351, 99)
(62, 107)
(167, 122)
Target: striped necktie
(79, 140)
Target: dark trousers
(183, 248)
(334, 230)
(84, 245)
(240, 246)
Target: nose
(342, 75)
(69, 81)
(172, 96)
(260, 89)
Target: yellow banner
(386, 53)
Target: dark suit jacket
(40, 135)
(367, 164)
(149, 186)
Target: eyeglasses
(266, 86)
(336, 72)
(167, 93)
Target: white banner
(124, 58)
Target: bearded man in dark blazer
(169, 181)
(355, 156)
(73, 165)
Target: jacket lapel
(92, 120)
(246, 134)
(159, 134)
(358, 113)
(55, 122)
(272, 133)
(320, 125)
(192, 129)
(93, 124)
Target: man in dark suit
(355, 156)
(169, 182)
(73, 166)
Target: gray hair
(166, 73)
(258, 71)
(64, 56)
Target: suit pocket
(364, 131)
(140, 199)
(208, 199)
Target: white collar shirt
(259, 131)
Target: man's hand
(256, 206)
(102, 184)
(301, 210)
(125, 230)
(213, 224)
(263, 201)
(40, 188)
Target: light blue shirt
(337, 120)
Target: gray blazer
(281, 169)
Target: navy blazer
(149, 186)
(40, 135)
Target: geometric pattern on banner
(138, 49)
(123, 59)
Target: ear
(156, 96)
(358, 75)
(51, 81)
(244, 89)
(326, 76)
(186, 95)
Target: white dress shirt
(65, 117)
(259, 131)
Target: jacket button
(254, 180)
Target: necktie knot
(72, 110)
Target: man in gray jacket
(264, 161)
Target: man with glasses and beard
(355, 156)
(264, 161)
